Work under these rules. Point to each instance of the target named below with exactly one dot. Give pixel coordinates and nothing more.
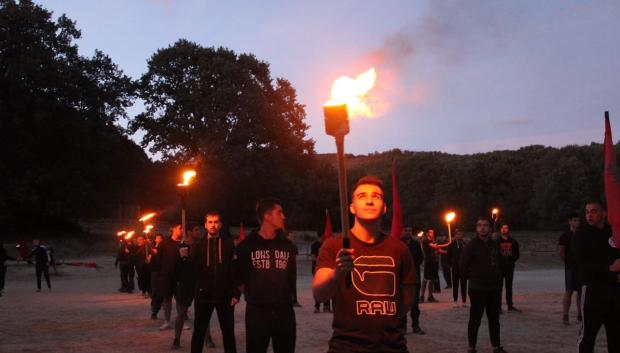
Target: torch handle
(342, 187)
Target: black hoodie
(595, 254)
(480, 263)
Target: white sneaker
(455, 305)
(165, 326)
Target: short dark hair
(212, 213)
(365, 180)
(572, 215)
(483, 218)
(264, 205)
(598, 202)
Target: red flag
(241, 232)
(328, 227)
(397, 212)
(612, 183)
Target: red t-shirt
(365, 315)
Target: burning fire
(353, 93)
(450, 216)
(129, 235)
(121, 233)
(494, 212)
(187, 177)
(148, 228)
(146, 217)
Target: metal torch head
(336, 120)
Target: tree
(224, 113)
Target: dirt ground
(85, 313)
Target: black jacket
(455, 249)
(595, 254)
(480, 263)
(40, 255)
(414, 249)
(509, 249)
(211, 262)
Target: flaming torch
(129, 235)
(147, 216)
(449, 218)
(187, 177)
(495, 217)
(347, 100)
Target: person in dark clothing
(367, 314)
(41, 263)
(431, 251)
(444, 260)
(572, 282)
(598, 258)
(210, 261)
(480, 264)
(3, 257)
(139, 260)
(509, 247)
(154, 261)
(294, 284)
(123, 262)
(264, 271)
(167, 253)
(413, 245)
(454, 256)
(314, 253)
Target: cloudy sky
(453, 76)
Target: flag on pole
(241, 232)
(612, 183)
(397, 212)
(328, 227)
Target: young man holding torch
(265, 272)
(367, 314)
(480, 263)
(210, 261)
(599, 262)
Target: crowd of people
(371, 286)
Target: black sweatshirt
(265, 267)
(595, 254)
(40, 255)
(480, 263)
(509, 249)
(455, 249)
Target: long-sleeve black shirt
(40, 255)
(509, 249)
(595, 254)
(480, 263)
(455, 249)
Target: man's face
(140, 241)
(195, 232)
(482, 228)
(459, 234)
(431, 234)
(368, 203)
(595, 214)
(159, 239)
(213, 225)
(504, 229)
(275, 217)
(36, 242)
(574, 223)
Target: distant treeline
(66, 156)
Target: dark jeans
(144, 278)
(43, 269)
(225, 315)
(507, 277)
(456, 280)
(415, 310)
(127, 276)
(275, 323)
(600, 308)
(482, 300)
(447, 273)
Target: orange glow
(121, 233)
(420, 235)
(147, 216)
(450, 216)
(495, 211)
(353, 93)
(129, 235)
(187, 177)
(148, 228)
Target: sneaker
(417, 330)
(499, 349)
(579, 318)
(512, 308)
(565, 320)
(176, 344)
(165, 326)
(455, 305)
(209, 342)
(432, 300)
(317, 310)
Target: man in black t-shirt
(509, 250)
(413, 245)
(367, 313)
(265, 272)
(314, 253)
(572, 282)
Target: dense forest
(66, 156)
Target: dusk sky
(452, 76)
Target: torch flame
(129, 235)
(121, 233)
(147, 216)
(495, 211)
(187, 177)
(148, 228)
(353, 92)
(421, 234)
(450, 216)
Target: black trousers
(43, 269)
(2, 276)
(125, 273)
(415, 308)
(447, 273)
(507, 277)
(482, 300)
(600, 308)
(275, 323)
(144, 278)
(456, 281)
(225, 315)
